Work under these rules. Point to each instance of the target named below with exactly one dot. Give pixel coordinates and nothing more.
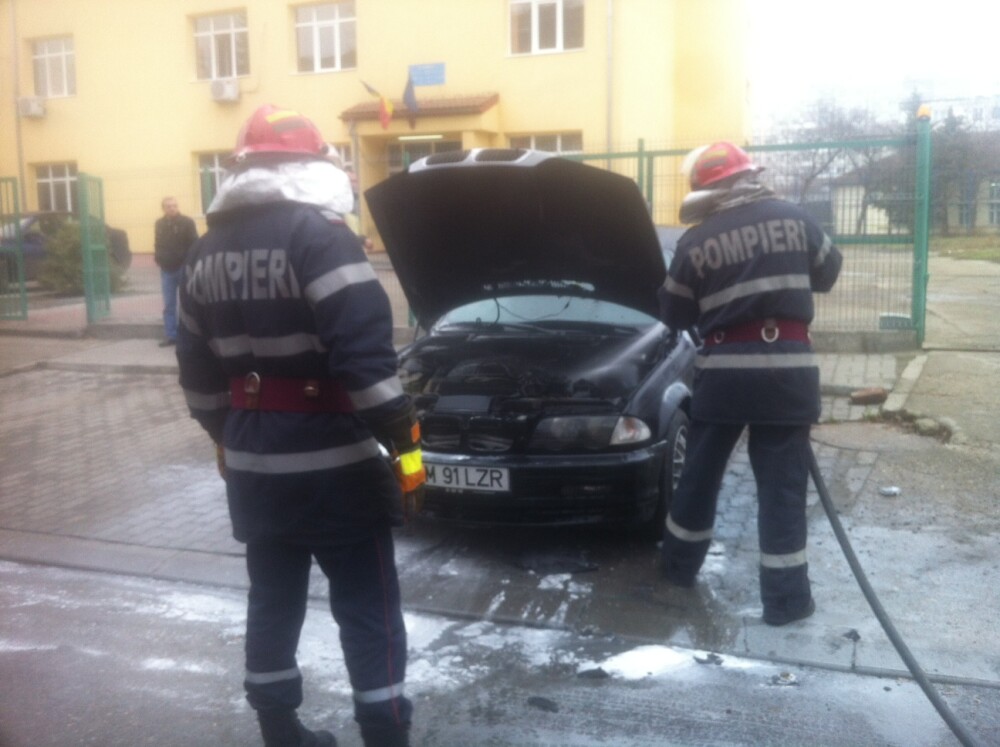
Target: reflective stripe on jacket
(280, 290)
(760, 260)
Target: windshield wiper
(488, 327)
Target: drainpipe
(609, 75)
(16, 55)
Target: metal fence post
(921, 228)
(13, 294)
(94, 247)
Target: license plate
(464, 477)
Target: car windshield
(543, 311)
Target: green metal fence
(13, 293)
(871, 196)
(94, 248)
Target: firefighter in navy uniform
(286, 359)
(744, 277)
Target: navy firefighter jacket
(280, 290)
(759, 260)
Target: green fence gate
(13, 292)
(94, 247)
(871, 196)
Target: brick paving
(115, 457)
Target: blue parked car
(38, 228)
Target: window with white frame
(211, 172)
(54, 63)
(966, 201)
(538, 26)
(965, 214)
(222, 46)
(56, 185)
(994, 202)
(343, 155)
(326, 37)
(559, 142)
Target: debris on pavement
(875, 395)
(712, 658)
(543, 704)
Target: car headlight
(590, 432)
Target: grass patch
(967, 247)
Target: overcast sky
(871, 50)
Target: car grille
(479, 434)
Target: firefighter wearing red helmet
(743, 278)
(719, 161)
(274, 130)
(286, 360)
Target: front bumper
(609, 488)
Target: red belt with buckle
(768, 330)
(278, 394)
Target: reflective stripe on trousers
(364, 599)
(779, 459)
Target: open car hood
(464, 226)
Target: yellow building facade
(149, 96)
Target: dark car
(547, 389)
(37, 230)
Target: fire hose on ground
(911, 663)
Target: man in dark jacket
(173, 236)
(286, 359)
(744, 276)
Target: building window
(55, 67)
(966, 201)
(222, 46)
(56, 184)
(402, 155)
(545, 26)
(326, 37)
(965, 214)
(560, 142)
(342, 155)
(995, 203)
(211, 172)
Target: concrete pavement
(96, 442)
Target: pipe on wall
(609, 71)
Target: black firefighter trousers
(779, 457)
(364, 599)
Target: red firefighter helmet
(718, 161)
(272, 129)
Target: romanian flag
(384, 106)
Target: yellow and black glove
(400, 435)
(409, 469)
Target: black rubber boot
(784, 614)
(282, 728)
(386, 737)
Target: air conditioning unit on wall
(225, 89)
(31, 106)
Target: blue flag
(410, 99)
